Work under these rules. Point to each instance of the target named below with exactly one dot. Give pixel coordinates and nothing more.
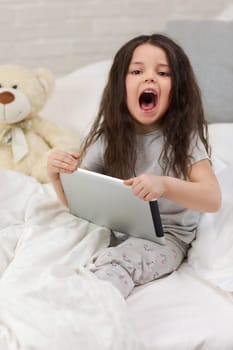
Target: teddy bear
(26, 138)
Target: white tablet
(107, 202)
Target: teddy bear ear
(46, 78)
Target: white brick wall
(65, 34)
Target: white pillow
(211, 254)
(75, 101)
(221, 140)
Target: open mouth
(147, 100)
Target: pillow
(207, 43)
(221, 141)
(211, 254)
(76, 98)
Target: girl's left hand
(147, 186)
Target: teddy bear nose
(6, 97)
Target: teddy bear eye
(0, 86)
(14, 86)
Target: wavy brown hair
(183, 119)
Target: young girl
(150, 131)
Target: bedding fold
(48, 300)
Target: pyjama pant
(137, 261)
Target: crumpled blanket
(48, 299)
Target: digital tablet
(108, 202)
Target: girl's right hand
(61, 162)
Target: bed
(49, 300)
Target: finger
(59, 154)
(65, 158)
(148, 197)
(137, 190)
(75, 155)
(143, 193)
(64, 166)
(128, 182)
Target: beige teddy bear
(25, 137)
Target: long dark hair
(183, 119)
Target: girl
(150, 131)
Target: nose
(6, 97)
(149, 80)
(150, 76)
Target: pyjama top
(176, 219)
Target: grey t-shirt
(176, 219)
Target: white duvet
(48, 300)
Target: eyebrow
(159, 64)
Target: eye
(0, 86)
(15, 87)
(135, 72)
(164, 74)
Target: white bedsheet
(192, 309)
(47, 299)
(182, 312)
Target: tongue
(147, 106)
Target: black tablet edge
(154, 208)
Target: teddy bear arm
(39, 169)
(6, 161)
(56, 136)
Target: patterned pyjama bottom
(137, 261)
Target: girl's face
(148, 86)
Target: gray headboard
(209, 45)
